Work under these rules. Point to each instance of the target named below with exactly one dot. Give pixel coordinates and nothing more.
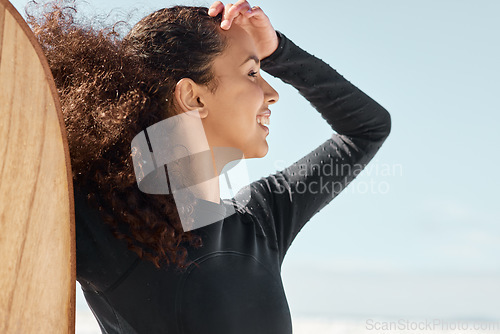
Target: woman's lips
(263, 120)
(265, 128)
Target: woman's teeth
(264, 120)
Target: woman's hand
(253, 20)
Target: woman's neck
(192, 162)
(205, 183)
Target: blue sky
(425, 239)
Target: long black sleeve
(289, 198)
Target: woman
(136, 275)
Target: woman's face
(242, 95)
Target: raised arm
(283, 202)
(289, 198)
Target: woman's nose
(270, 94)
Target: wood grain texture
(37, 246)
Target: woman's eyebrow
(251, 57)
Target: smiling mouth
(263, 120)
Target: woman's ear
(189, 96)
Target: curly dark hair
(111, 88)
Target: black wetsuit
(236, 287)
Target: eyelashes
(253, 74)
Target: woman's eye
(253, 74)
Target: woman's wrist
(279, 48)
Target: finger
(240, 3)
(215, 8)
(254, 11)
(225, 24)
(234, 11)
(239, 7)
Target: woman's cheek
(256, 95)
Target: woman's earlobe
(203, 112)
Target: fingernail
(224, 24)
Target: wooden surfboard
(37, 243)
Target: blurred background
(416, 235)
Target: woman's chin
(259, 153)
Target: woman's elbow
(387, 124)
